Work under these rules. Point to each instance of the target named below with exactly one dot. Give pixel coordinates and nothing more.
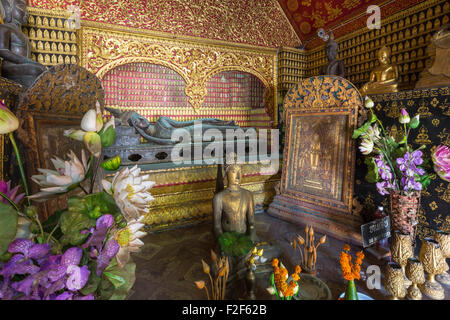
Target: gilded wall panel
(102, 51)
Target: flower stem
(19, 162)
(51, 233)
(97, 163)
(9, 200)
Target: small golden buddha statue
(437, 72)
(383, 79)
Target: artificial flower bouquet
(82, 251)
(285, 287)
(392, 163)
(350, 271)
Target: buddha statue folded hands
(384, 78)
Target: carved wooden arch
(269, 87)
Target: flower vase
(403, 212)
(350, 292)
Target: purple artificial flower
(409, 183)
(104, 258)
(29, 249)
(88, 297)
(98, 234)
(5, 188)
(416, 157)
(77, 277)
(66, 295)
(383, 187)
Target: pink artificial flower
(441, 160)
(5, 188)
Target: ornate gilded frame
(322, 97)
(102, 50)
(43, 111)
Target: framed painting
(316, 184)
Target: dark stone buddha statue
(15, 47)
(334, 67)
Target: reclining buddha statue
(384, 78)
(161, 131)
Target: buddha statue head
(233, 170)
(384, 55)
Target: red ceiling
(307, 16)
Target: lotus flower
(8, 121)
(368, 103)
(373, 133)
(130, 190)
(441, 160)
(91, 130)
(68, 175)
(128, 239)
(5, 188)
(404, 116)
(366, 146)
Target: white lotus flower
(373, 133)
(366, 146)
(130, 191)
(91, 125)
(129, 240)
(67, 175)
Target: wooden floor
(170, 261)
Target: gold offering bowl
(443, 238)
(401, 251)
(414, 272)
(434, 263)
(394, 281)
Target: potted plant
(397, 169)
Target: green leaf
(373, 117)
(372, 170)
(72, 223)
(94, 205)
(361, 130)
(8, 226)
(121, 279)
(398, 153)
(414, 123)
(108, 136)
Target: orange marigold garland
(279, 280)
(350, 271)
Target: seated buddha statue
(233, 210)
(14, 45)
(383, 79)
(437, 71)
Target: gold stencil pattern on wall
(102, 51)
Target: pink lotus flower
(441, 160)
(404, 116)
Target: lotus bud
(301, 241)
(205, 267)
(252, 260)
(200, 284)
(368, 102)
(323, 239)
(254, 250)
(415, 122)
(294, 243)
(271, 291)
(404, 116)
(213, 256)
(260, 252)
(311, 231)
(8, 121)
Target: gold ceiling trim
(102, 50)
